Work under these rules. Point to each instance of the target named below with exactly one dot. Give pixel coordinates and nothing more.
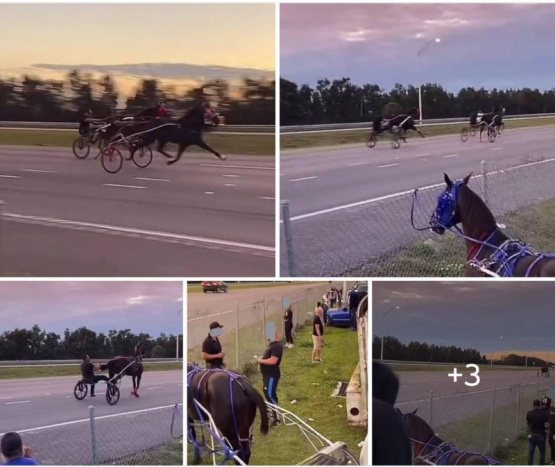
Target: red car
(213, 286)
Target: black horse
(401, 123)
(544, 373)
(492, 119)
(427, 445)
(485, 242)
(133, 367)
(186, 131)
(232, 402)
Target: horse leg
(201, 144)
(180, 151)
(138, 384)
(481, 129)
(160, 149)
(419, 132)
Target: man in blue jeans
(537, 420)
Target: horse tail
(254, 396)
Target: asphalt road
(56, 425)
(201, 216)
(341, 197)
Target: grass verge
(54, 370)
(310, 386)
(168, 454)
(335, 138)
(251, 285)
(226, 144)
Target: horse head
(447, 213)
(421, 435)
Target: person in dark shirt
(269, 367)
(391, 445)
(14, 452)
(317, 334)
(537, 420)
(354, 300)
(551, 433)
(87, 372)
(212, 348)
(288, 318)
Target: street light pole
(385, 313)
(437, 40)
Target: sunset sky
(108, 36)
(490, 45)
(149, 307)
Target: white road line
(151, 233)
(124, 186)
(38, 170)
(266, 197)
(251, 167)
(18, 402)
(386, 165)
(422, 155)
(9, 176)
(153, 179)
(231, 176)
(358, 163)
(208, 192)
(302, 179)
(73, 422)
(155, 387)
(229, 184)
(450, 155)
(496, 149)
(423, 160)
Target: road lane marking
(73, 422)
(251, 167)
(9, 176)
(229, 184)
(133, 231)
(124, 186)
(153, 179)
(267, 197)
(18, 402)
(38, 171)
(496, 149)
(231, 176)
(386, 165)
(450, 155)
(423, 160)
(302, 179)
(208, 192)
(155, 387)
(358, 163)
(423, 155)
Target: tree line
(340, 101)
(416, 351)
(38, 344)
(30, 98)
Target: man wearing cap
(212, 347)
(537, 420)
(14, 452)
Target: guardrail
(303, 129)
(37, 363)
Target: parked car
(338, 317)
(214, 286)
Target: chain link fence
(480, 420)
(376, 239)
(244, 324)
(144, 437)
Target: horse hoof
(223, 157)
(137, 394)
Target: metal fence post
(2, 257)
(484, 172)
(490, 434)
(95, 456)
(291, 258)
(517, 427)
(430, 408)
(237, 334)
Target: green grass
(447, 258)
(54, 370)
(336, 138)
(310, 386)
(226, 144)
(516, 452)
(169, 454)
(250, 285)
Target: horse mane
(191, 113)
(475, 207)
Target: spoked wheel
(102, 143)
(111, 159)
(491, 134)
(81, 147)
(142, 157)
(112, 394)
(372, 140)
(464, 135)
(80, 391)
(473, 131)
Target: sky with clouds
(149, 307)
(490, 45)
(487, 316)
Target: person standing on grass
(333, 297)
(551, 433)
(288, 318)
(212, 348)
(317, 334)
(537, 420)
(269, 367)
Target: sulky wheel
(473, 131)
(111, 159)
(142, 157)
(491, 134)
(81, 147)
(464, 135)
(112, 394)
(80, 391)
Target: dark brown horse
(427, 446)
(130, 366)
(232, 402)
(458, 204)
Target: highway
(199, 217)
(339, 196)
(56, 425)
